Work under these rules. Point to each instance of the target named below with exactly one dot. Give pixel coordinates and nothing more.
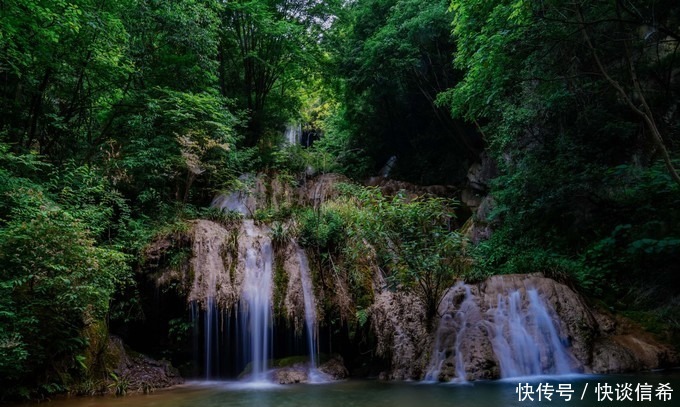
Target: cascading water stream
(518, 326)
(460, 322)
(526, 341)
(462, 319)
(256, 302)
(293, 134)
(310, 316)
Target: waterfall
(503, 324)
(459, 323)
(293, 134)
(232, 295)
(439, 352)
(468, 309)
(209, 274)
(526, 341)
(310, 315)
(256, 302)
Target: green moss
(290, 361)
(97, 336)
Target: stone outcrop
(138, 372)
(475, 196)
(212, 265)
(398, 321)
(294, 301)
(291, 375)
(256, 192)
(623, 346)
(320, 189)
(332, 370)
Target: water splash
(241, 201)
(526, 341)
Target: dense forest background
(121, 120)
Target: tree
(413, 241)
(635, 97)
(60, 60)
(568, 95)
(394, 57)
(266, 46)
(55, 279)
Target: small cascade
(465, 317)
(293, 134)
(256, 301)
(439, 352)
(310, 316)
(242, 201)
(235, 201)
(386, 170)
(502, 327)
(468, 309)
(525, 340)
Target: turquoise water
(361, 393)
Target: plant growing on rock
(410, 240)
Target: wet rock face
(571, 317)
(626, 347)
(212, 278)
(462, 340)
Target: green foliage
(393, 58)
(581, 195)
(296, 159)
(339, 151)
(362, 317)
(322, 229)
(60, 62)
(409, 239)
(54, 279)
(191, 135)
(280, 234)
(267, 48)
(220, 216)
(413, 241)
(179, 331)
(119, 385)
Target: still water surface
(366, 393)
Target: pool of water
(361, 393)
